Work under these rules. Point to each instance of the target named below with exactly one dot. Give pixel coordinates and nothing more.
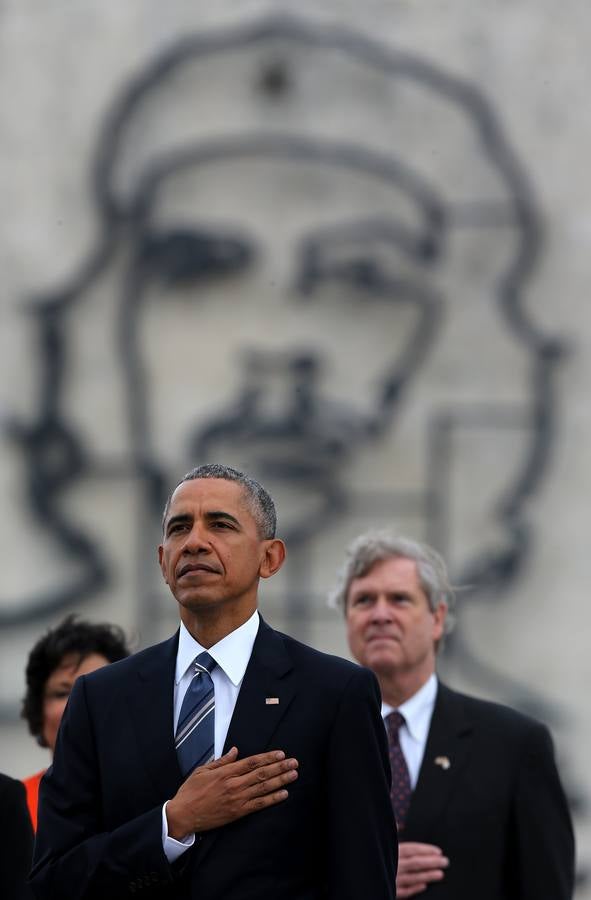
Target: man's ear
(439, 617)
(273, 559)
(161, 562)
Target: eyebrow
(390, 592)
(220, 514)
(214, 515)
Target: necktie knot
(394, 722)
(204, 663)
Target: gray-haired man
(476, 793)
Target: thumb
(229, 757)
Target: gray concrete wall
(61, 65)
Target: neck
(208, 627)
(397, 688)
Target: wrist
(178, 825)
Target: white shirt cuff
(173, 848)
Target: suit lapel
(266, 679)
(446, 753)
(150, 701)
(268, 676)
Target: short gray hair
(376, 546)
(258, 499)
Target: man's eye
(174, 529)
(362, 600)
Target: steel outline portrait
(56, 455)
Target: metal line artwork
(379, 262)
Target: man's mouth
(189, 568)
(381, 636)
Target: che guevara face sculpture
(312, 266)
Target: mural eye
(363, 271)
(182, 256)
(372, 258)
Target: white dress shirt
(231, 654)
(413, 734)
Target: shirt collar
(231, 654)
(418, 710)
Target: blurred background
(341, 246)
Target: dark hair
(259, 501)
(71, 636)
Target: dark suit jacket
(16, 840)
(498, 812)
(99, 832)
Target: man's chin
(382, 661)
(198, 602)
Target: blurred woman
(73, 648)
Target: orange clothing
(32, 788)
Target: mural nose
(282, 384)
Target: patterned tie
(194, 738)
(400, 793)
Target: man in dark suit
(165, 780)
(480, 809)
(16, 840)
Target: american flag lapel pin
(271, 701)
(443, 761)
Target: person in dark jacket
(480, 808)
(16, 840)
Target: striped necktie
(401, 791)
(194, 738)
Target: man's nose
(382, 609)
(197, 539)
